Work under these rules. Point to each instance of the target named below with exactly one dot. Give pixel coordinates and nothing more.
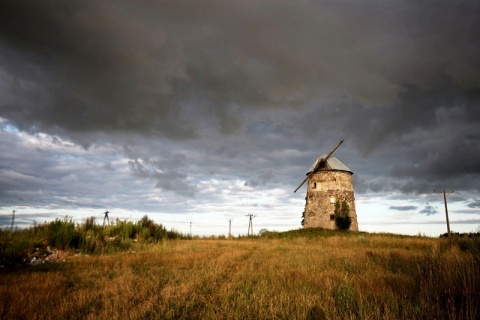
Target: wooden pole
(13, 219)
(445, 194)
(446, 211)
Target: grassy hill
(300, 274)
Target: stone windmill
(329, 181)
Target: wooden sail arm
(318, 165)
(331, 152)
(301, 184)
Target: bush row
(85, 237)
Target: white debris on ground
(46, 255)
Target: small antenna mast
(230, 228)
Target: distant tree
(263, 232)
(342, 215)
(145, 222)
(151, 230)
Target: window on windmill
(332, 199)
(314, 185)
(332, 217)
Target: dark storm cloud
(362, 185)
(249, 91)
(450, 160)
(417, 108)
(80, 67)
(103, 66)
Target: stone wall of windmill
(325, 187)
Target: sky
(197, 112)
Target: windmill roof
(331, 164)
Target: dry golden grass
(338, 277)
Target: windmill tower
(329, 181)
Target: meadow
(302, 274)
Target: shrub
(61, 233)
(87, 237)
(342, 215)
(89, 223)
(150, 230)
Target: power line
(445, 194)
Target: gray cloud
(402, 208)
(261, 180)
(165, 173)
(363, 186)
(474, 204)
(428, 210)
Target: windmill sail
(320, 163)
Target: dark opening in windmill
(329, 185)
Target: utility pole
(230, 228)
(13, 219)
(445, 194)
(190, 229)
(250, 224)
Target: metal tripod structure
(106, 218)
(250, 224)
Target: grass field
(296, 275)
